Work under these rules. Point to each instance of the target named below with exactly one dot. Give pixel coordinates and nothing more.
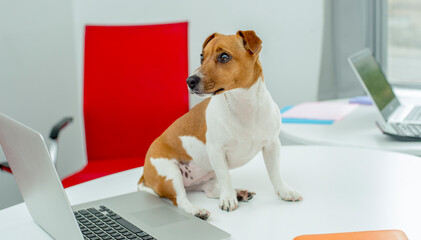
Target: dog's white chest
(242, 123)
(240, 152)
(246, 141)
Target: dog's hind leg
(211, 188)
(173, 187)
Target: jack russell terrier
(223, 132)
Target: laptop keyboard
(413, 130)
(102, 223)
(415, 114)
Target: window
(404, 41)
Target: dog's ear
(208, 39)
(251, 41)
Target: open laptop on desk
(402, 121)
(137, 215)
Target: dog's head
(227, 62)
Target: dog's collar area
(218, 91)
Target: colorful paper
(326, 111)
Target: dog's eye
(201, 58)
(224, 57)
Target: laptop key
(114, 217)
(128, 225)
(415, 129)
(142, 234)
(90, 235)
(120, 229)
(83, 212)
(93, 210)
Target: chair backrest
(134, 87)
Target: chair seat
(100, 168)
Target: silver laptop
(401, 120)
(137, 215)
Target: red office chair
(134, 88)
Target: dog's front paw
(193, 210)
(228, 202)
(202, 214)
(289, 194)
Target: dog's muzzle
(193, 82)
(197, 86)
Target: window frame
(377, 37)
(377, 34)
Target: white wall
(291, 32)
(38, 78)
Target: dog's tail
(142, 187)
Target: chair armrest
(59, 126)
(53, 148)
(4, 166)
(54, 137)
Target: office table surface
(357, 129)
(344, 189)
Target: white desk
(357, 129)
(344, 189)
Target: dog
(225, 131)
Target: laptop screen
(375, 82)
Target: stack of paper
(317, 112)
(364, 100)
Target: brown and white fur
(223, 132)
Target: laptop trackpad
(160, 216)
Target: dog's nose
(192, 81)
